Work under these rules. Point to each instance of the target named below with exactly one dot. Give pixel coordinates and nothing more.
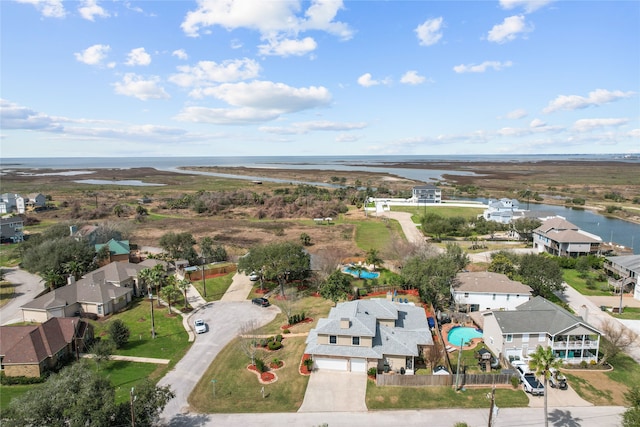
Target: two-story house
(503, 211)
(375, 333)
(559, 237)
(11, 229)
(515, 334)
(624, 272)
(426, 194)
(484, 290)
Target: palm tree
(74, 268)
(373, 257)
(52, 278)
(157, 278)
(543, 362)
(183, 285)
(170, 292)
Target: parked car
(528, 379)
(262, 302)
(254, 276)
(558, 380)
(200, 326)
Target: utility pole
(132, 398)
(493, 402)
(204, 282)
(153, 322)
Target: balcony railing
(559, 345)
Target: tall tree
(455, 253)
(52, 278)
(183, 285)
(170, 293)
(179, 246)
(543, 362)
(432, 277)
(525, 226)
(74, 268)
(337, 287)
(502, 263)
(616, 338)
(281, 261)
(542, 273)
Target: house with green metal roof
(514, 334)
(119, 250)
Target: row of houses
(390, 335)
(11, 202)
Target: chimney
(344, 323)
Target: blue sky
(258, 77)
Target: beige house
(31, 350)
(513, 335)
(559, 237)
(484, 290)
(375, 333)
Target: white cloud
(429, 32)
(595, 98)
(288, 47)
(48, 8)
(138, 56)
(481, 68)
(256, 101)
(586, 125)
(14, 116)
(347, 137)
(180, 54)
(138, 87)
(90, 9)
(528, 5)
(306, 127)
(93, 55)
(509, 29)
(366, 80)
(634, 133)
(537, 123)
(516, 114)
(279, 20)
(207, 73)
(412, 77)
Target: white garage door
(358, 365)
(331, 364)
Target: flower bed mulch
(306, 320)
(303, 369)
(261, 291)
(277, 366)
(263, 377)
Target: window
(333, 339)
(509, 338)
(542, 338)
(525, 337)
(494, 296)
(466, 294)
(355, 340)
(508, 297)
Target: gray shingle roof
(630, 262)
(538, 316)
(486, 281)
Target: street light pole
(153, 322)
(132, 398)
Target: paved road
(595, 416)
(27, 286)
(224, 320)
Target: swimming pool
(364, 274)
(463, 333)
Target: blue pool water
(463, 333)
(364, 274)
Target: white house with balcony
(515, 334)
(624, 272)
(426, 194)
(559, 237)
(503, 211)
(484, 290)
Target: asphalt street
(26, 287)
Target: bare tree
(433, 355)
(247, 342)
(616, 338)
(288, 303)
(400, 250)
(327, 261)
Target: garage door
(331, 364)
(358, 365)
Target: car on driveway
(254, 276)
(262, 302)
(200, 326)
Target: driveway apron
(329, 391)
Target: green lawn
(391, 397)
(629, 313)
(6, 292)
(8, 392)
(10, 255)
(238, 389)
(443, 211)
(171, 341)
(313, 307)
(574, 280)
(124, 375)
(376, 233)
(216, 286)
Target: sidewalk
(132, 359)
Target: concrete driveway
(27, 287)
(558, 398)
(223, 325)
(329, 391)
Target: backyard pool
(364, 274)
(464, 333)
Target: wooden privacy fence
(441, 380)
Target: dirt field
(597, 388)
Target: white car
(200, 326)
(253, 276)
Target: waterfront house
(503, 211)
(426, 194)
(559, 237)
(11, 229)
(624, 272)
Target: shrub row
(297, 318)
